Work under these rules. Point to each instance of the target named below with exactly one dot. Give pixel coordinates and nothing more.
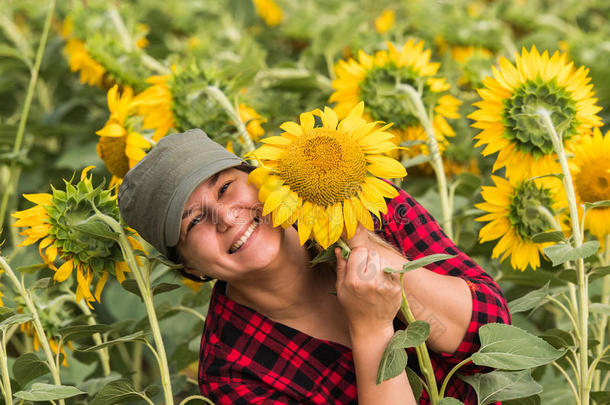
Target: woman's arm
(371, 299)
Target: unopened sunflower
(120, 146)
(62, 222)
(79, 60)
(269, 11)
(514, 211)
(324, 177)
(590, 169)
(373, 79)
(508, 114)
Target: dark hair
(173, 252)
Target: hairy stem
(97, 338)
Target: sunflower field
(498, 110)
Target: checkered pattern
(246, 358)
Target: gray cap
(153, 193)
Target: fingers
(360, 238)
(341, 266)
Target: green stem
(435, 154)
(569, 380)
(6, 379)
(191, 311)
(13, 174)
(138, 351)
(567, 312)
(42, 336)
(451, 373)
(97, 338)
(582, 281)
(146, 292)
(423, 357)
(187, 399)
(224, 102)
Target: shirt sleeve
(409, 227)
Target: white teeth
(244, 237)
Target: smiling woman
(273, 333)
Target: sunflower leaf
(562, 253)
(117, 392)
(449, 401)
(530, 300)
(502, 385)
(32, 268)
(394, 359)
(421, 262)
(139, 336)
(95, 227)
(48, 392)
(596, 204)
(599, 272)
(28, 367)
(600, 308)
(15, 320)
(416, 383)
(553, 236)
(417, 160)
(325, 256)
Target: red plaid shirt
(246, 358)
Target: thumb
(341, 266)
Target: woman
(275, 331)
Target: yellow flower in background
(385, 21)
(252, 120)
(514, 217)
(323, 177)
(141, 32)
(590, 169)
(27, 329)
(57, 221)
(372, 79)
(79, 60)
(155, 105)
(119, 146)
(507, 114)
(269, 11)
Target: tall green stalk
(435, 154)
(6, 380)
(42, 336)
(13, 176)
(577, 238)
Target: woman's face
(223, 234)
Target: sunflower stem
(6, 380)
(204, 399)
(97, 338)
(231, 111)
(582, 280)
(13, 175)
(142, 279)
(423, 357)
(603, 323)
(435, 154)
(42, 336)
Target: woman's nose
(226, 217)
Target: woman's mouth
(244, 238)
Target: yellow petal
(39, 198)
(100, 286)
(258, 175)
(335, 225)
(350, 218)
(64, 271)
(274, 199)
(305, 221)
(383, 166)
(307, 121)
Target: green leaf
(131, 285)
(421, 262)
(393, 362)
(553, 236)
(562, 253)
(533, 400)
(48, 392)
(325, 256)
(415, 161)
(449, 401)
(596, 204)
(5, 312)
(41, 284)
(599, 308)
(28, 367)
(599, 272)
(530, 300)
(95, 227)
(601, 397)
(117, 392)
(510, 348)
(568, 275)
(32, 268)
(15, 320)
(467, 184)
(164, 287)
(502, 385)
(80, 331)
(134, 337)
(558, 338)
(416, 383)
(93, 385)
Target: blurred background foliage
(280, 65)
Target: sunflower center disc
(323, 166)
(594, 184)
(523, 123)
(524, 215)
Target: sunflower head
(508, 114)
(321, 174)
(65, 221)
(517, 211)
(269, 11)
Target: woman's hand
(370, 297)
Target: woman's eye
(194, 222)
(222, 189)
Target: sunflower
(91, 72)
(252, 120)
(590, 168)
(474, 62)
(385, 21)
(27, 329)
(60, 219)
(373, 79)
(508, 113)
(155, 105)
(514, 215)
(269, 11)
(119, 146)
(323, 176)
